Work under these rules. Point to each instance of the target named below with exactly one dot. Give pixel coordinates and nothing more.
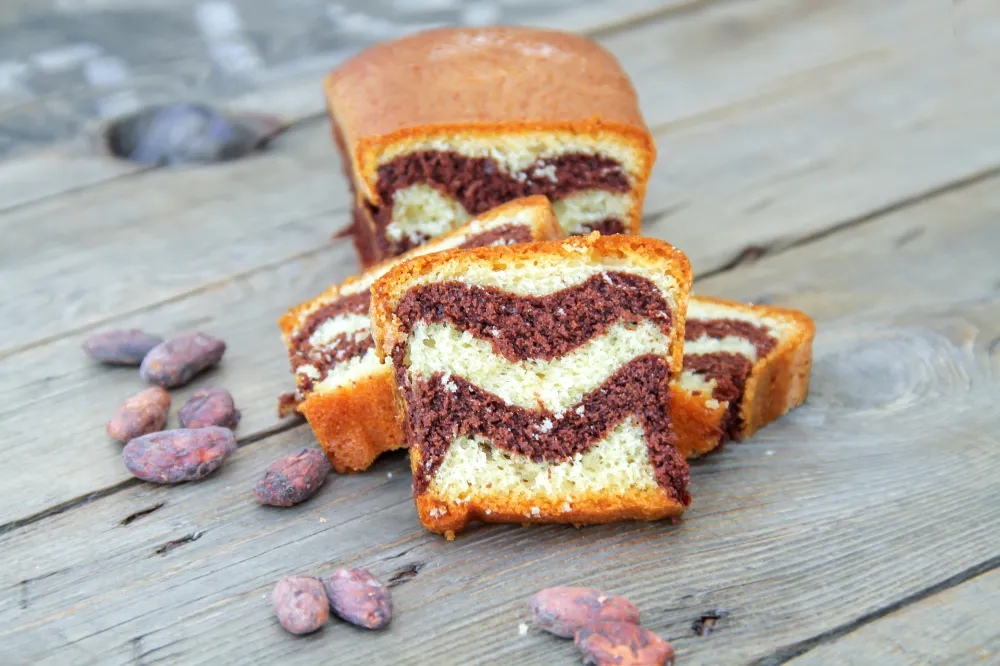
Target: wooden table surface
(837, 156)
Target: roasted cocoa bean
(125, 347)
(140, 414)
(209, 407)
(620, 643)
(358, 597)
(174, 456)
(565, 610)
(178, 360)
(293, 479)
(300, 604)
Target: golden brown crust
(355, 424)
(485, 81)
(449, 517)
(778, 383)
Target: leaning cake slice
(344, 391)
(534, 380)
(439, 126)
(744, 366)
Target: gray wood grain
(170, 250)
(881, 485)
(957, 627)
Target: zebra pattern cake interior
(535, 381)
(727, 347)
(332, 353)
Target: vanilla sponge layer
(702, 310)
(555, 385)
(519, 152)
(579, 211)
(328, 331)
(343, 374)
(420, 212)
(474, 470)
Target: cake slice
(442, 125)
(744, 366)
(534, 380)
(343, 390)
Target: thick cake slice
(442, 125)
(344, 391)
(744, 366)
(534, 380)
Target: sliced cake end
(343, 389)
(744, 366)
(534, 381)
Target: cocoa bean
(125, 347)
(300, 604)
(178, 360)
(140, 414)
(209, 407)
(565, 610)
(358, 597)
(293, 479)
(621, 643)
(175, 456)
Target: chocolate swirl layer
(729, 370)
(442, 408)
(540, 327)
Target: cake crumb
(769, 452)
(389, 475)
(535, 511)
(522, 629)
(322, 520)
(548, 172)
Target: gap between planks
(790, 652)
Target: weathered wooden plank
(954, 628)
(820, 520)
(750, 164)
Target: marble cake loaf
(744, 366)
(534, 380)
(442, 125)
(343, 390)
